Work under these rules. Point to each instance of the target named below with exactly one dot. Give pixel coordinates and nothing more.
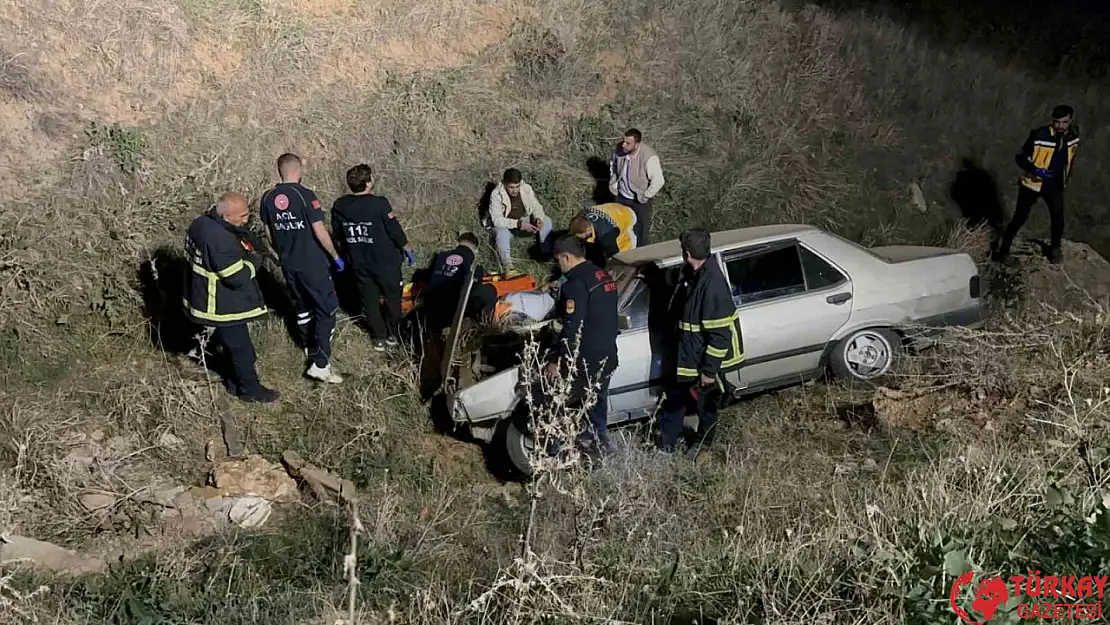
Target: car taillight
(973, 286)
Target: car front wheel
(518, 446)
(865, 355)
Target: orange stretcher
(504, 284)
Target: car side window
(818, 273)
(766, 275)
(638, 307)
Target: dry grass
(124, 128)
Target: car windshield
(622, 273)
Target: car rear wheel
(865, 355)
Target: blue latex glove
(339, 264)
(410, 256)
(1044, 173)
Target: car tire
(516, 443)
(865, 355)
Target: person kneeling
(449, 271)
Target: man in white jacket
(514, 210)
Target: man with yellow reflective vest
(607, 230)
(709, 345)
(221, 291)
(1046, 158)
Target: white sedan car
(810, 302)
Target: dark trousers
(314, 304)
(483, 299)
(599, 414)
(1053, 198)
(372, 287)
(439, 304)
(239, 352)
(643, 218)
(679, 401)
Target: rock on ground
(253, 476)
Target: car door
(791, 301)
(642, 344)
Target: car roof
(723, 240)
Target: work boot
(391, 342)
(379, 345)
(323, 374)
(1055, 255)
(262, 396)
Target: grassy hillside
(125, 120)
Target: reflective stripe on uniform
(716, 352)
(199, 314)
(213, 278)
(688, 327)
(683, 371)
(723, 322)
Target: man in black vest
(295, 222)
(221, 291)
(1046, 158)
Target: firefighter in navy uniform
(449, 269)
(221, 291)
(709, 345)
(295, 223)
(374, 244)
(587, 303)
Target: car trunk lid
(906, 253)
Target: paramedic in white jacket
(514, 210)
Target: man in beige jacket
(514, 210)
(635, 176)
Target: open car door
(450, 382)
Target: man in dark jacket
(709, 345)
(448, 272)
(1046, 158)
(221, 291)
(588, 308)
(295, 222)
(373, 242)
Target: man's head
(232, 207)
(290, 167)
(360, 178)
(569, 252)
(469, 239)
(631, 141)
(512, 179)
(581, 227)
(695, 246)
(1061, 118)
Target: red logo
(990, 594)
(1047, 596)
(281, 202)
(454, 260)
